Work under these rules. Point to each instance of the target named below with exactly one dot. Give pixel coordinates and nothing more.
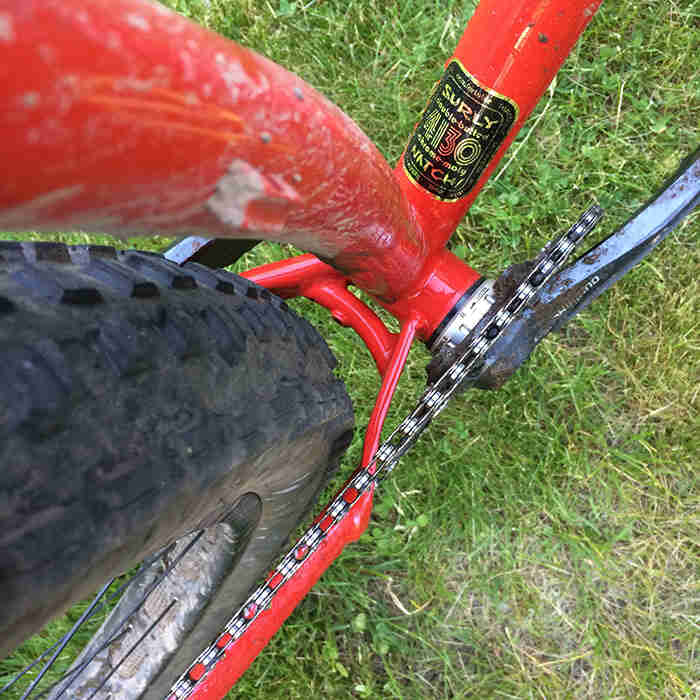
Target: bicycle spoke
(133, 646)
(63, 642)
(113, 639)
(72, 674)
(29, 667)
(93, 610)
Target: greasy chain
(550, 260)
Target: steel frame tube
(126, 118)
(123, 117)
(507, 57)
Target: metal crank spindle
(346, 516)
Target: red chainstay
(221, 665)
(343, 520)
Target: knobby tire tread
(128, 388)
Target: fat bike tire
(141, 403)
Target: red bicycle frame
(123, 117)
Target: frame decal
(460, 131)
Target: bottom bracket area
(464, 316)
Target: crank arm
(576, 286)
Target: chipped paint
(162, 10)
(234, 75)
(7, 31)
(30, 100)
(523, 36)
(247, 199)
(240, 186)
(114, 41)
(188, 72)
(67, 89)
(47, 54)
(138, 22)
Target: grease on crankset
(461, 128)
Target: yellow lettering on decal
(464, 109)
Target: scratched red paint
(111, 125)
(123, 117)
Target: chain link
(550, 260)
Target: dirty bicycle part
(141, 402)
(572, 289)
(214, 140)
(238, 642)
(279, 202)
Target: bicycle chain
(550, 260)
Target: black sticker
(459, 132)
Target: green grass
(541, 541)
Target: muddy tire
(139, 402)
